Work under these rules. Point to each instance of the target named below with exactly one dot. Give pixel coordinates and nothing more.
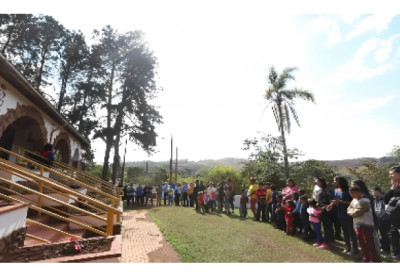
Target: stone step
(47, 234)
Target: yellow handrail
(54, 172)
(56, 216)
(89, 177)
(29, 175)
(26, 199)
(55, 185)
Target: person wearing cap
(253, 197)
(361, 211)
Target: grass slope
(217, 238)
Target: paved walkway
(142, 240)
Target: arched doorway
(24, 132)
(62, 148)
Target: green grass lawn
(218, 238)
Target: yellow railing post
(110, 223)
(41, 191)
(115, 204)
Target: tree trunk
(282, 131)
(104, 172)
(116, 165)
(62, 93)
(109, 134)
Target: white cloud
(334, 35)
(356, 68)
(368, 104)
(385, 48)
(366, 48)
(349, 19)
(377, 22)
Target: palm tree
(282, 101)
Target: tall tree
(282, 101)
(130, 78)
(73, 54)
(136, 117)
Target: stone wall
(49, 251)
(10, 243)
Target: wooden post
(176, 167)
(170, 164)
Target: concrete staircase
(47, 234)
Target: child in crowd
(296, 211)
(305, 225)
(207, 201)
(315, 214)
(361, 211)
(200, 202)
(273, 203)
(289, 216)
(213, 196)
(170, 193)
(243, 202)
(280, 214)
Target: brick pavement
(142, 240)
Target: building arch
(24, 127)
(62, 148)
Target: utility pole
(123, 165)
(176, 166)
(170, 164)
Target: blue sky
(213, 64)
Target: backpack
(393, 211)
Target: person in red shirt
(261, 193)
(200, 202)
(289, 217)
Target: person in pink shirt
(289, 189)
(314, 213)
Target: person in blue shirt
(184, 190)
(296, 211)
(165, 192)
(139, 195)
(342, 198)
(275, 192)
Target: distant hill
(358, 161)
(187, 167)
(191, 168)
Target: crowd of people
(367, 220)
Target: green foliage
(88, 160)
(266, 161)
(373, 174)
(134, 173)
(220, 173)
(303, 173)
(396, 153)
(96, 170)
